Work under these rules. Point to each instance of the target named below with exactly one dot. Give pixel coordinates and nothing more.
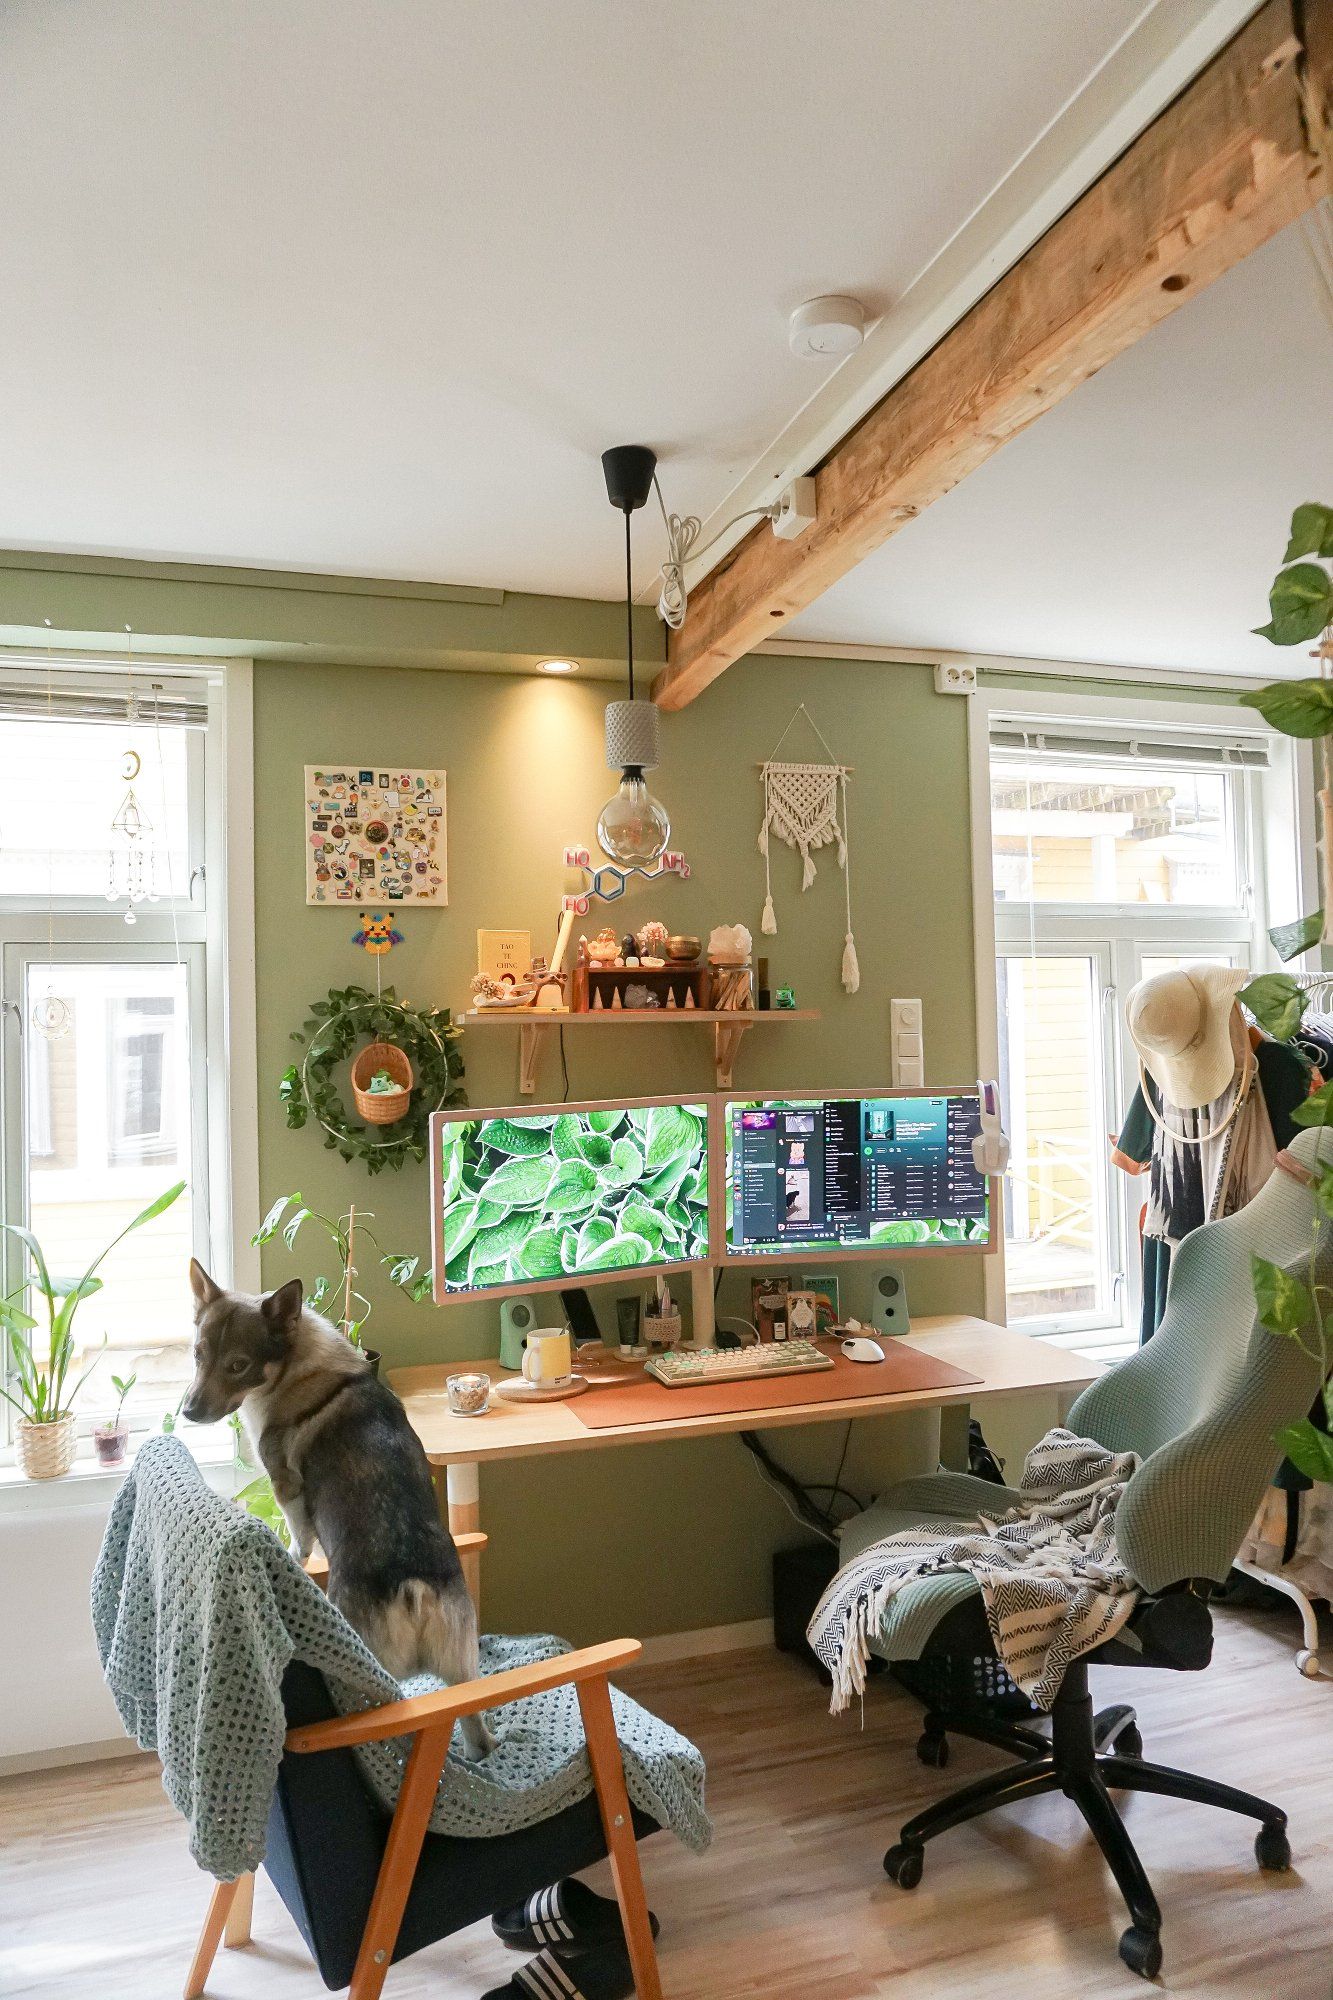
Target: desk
(1008, 1363)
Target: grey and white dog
(348, 1471)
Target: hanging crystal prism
(131, 872)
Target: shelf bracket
(529, 1046)
(727, 1039)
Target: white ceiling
(368, 289)
(1139, 522)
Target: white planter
(46, 1451)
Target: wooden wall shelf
(728, 1030)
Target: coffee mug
(547, 1358)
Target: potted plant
(111, 1440)
(38, 1386)
(289, 1215)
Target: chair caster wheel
(933, 1750)
(1309, 1664)
(1272, 1849)
(903, 1865)
(1142, 1951)
(1129, 1743)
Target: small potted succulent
(111, 1440)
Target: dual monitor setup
(550, 1197)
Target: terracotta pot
(111, 1442)
(46, 1451)
(372, 1355)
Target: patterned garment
(198, 1611)
(1050, 1577)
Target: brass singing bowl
(682, 950)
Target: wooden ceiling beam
(1225, 166)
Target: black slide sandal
(602, 1973)
(568, 1915)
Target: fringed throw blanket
(1050, 1576)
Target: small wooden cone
(597, 1006)
(616, 1000)
(671, 996)
(689, 996)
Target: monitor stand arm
(703, 1328)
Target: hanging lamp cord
(629, 610)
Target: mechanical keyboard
(688, 1367)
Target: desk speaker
(517, 1319)
(889, 1312)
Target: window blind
(26, 698)
(1010, 739)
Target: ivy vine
(352, 1015)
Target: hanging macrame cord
(805, 805)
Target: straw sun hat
(1180, 1023)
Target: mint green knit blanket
(198, 1611)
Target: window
(1118, 851)
(104, 1084)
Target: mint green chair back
(1203, 1402)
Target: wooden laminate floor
(98, 1895)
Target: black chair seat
(326, 1837)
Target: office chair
(1201, 1405)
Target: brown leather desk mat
(638, 1399)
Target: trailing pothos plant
(335, 1029)
(1300, 606)
(348, 1306)
(1296, 1310)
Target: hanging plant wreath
(351, 1015)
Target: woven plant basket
(46, 1451)
(388, 1106)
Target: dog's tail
(443, 1621)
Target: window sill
(88, 1484)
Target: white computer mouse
(863, 1348)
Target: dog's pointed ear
(283, 1308)
(205, 1291)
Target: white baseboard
(69, 1753)
(665, 1646)
(659, 1650)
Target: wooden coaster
(520, 1391)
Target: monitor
(857, 1173)
(542, 1197)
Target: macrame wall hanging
(805, 805)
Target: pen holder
(661, 1329)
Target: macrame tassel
(808, 871)
(769, 923)
(762, 842)
(851, 970)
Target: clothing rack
(1319, 985)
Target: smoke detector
(826, 329)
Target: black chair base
(1087, 1757)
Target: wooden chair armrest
(316, 1565)
(442, 1709)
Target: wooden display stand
(686, 985)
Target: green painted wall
(526, 775)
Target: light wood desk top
(1008, 1363)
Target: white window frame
(1283, 879)
(215, 920)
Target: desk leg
(463, 1487)
(954, 1420)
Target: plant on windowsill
(38, 1382)
(111, 1440)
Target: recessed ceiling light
(557, 666)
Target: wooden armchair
(364, 1893)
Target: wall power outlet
(950, 679)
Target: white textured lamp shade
(631, 736)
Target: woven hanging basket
(46, 1451)
(382, 1107)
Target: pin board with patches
(375, 835)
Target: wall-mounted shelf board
(728, 1030)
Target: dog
(348, 1471)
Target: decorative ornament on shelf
(802, 803)
(729, 948)
(651, 939)
(416, 1045)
